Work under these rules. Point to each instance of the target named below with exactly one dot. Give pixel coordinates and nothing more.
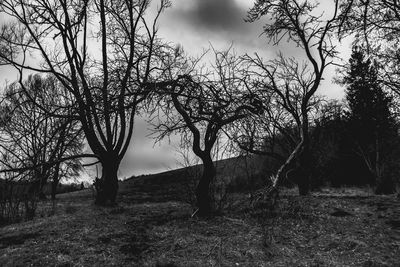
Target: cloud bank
(197, 23)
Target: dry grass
(139, 232)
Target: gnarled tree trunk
(203, 190)
(301, 154)
(107, 185)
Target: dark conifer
(371, 124)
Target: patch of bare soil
(151, 226)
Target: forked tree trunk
(107, 187)
(203, 190)
(267, 197)
(271, 193)
(301, 154)
(286, 165)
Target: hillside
(152, 226)
(239, 173)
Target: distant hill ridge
(239, 163)
(236, 174)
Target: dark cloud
(216, 15)
(196, 23)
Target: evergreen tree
(371, 124)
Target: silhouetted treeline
(355, 142)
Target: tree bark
(54, 184)
(301, 173)
(304, 159)
(41, 178)
(203, 192)
(304, 170)
(107, 187)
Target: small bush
(192, 176)
(17, 202)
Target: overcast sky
(195, 24)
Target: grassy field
(152, 226)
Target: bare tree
(269, 134)
(105, 53)
(35, 142)
(207, 101)
(294, 83)
(376, 26)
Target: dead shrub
(18, 201)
